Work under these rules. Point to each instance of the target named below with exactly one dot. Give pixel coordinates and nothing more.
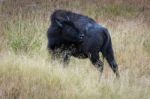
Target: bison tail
(108, 53)
(107, 44)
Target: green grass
(23, 37)
(119, 10)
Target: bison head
(72, 34)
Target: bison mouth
(81, 40)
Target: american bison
(72, 34)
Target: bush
(23, 36)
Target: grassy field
(25, 68)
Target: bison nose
(81, 36)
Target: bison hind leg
(94, 57)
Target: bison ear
(86, 29)
(68, 19)
(59, 23)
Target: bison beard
(72, 34)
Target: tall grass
(24, 77)
(25, 68)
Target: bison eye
(82, 36)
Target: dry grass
(25, 68)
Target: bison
(72, 34)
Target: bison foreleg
(55, 55)
(66, 58)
